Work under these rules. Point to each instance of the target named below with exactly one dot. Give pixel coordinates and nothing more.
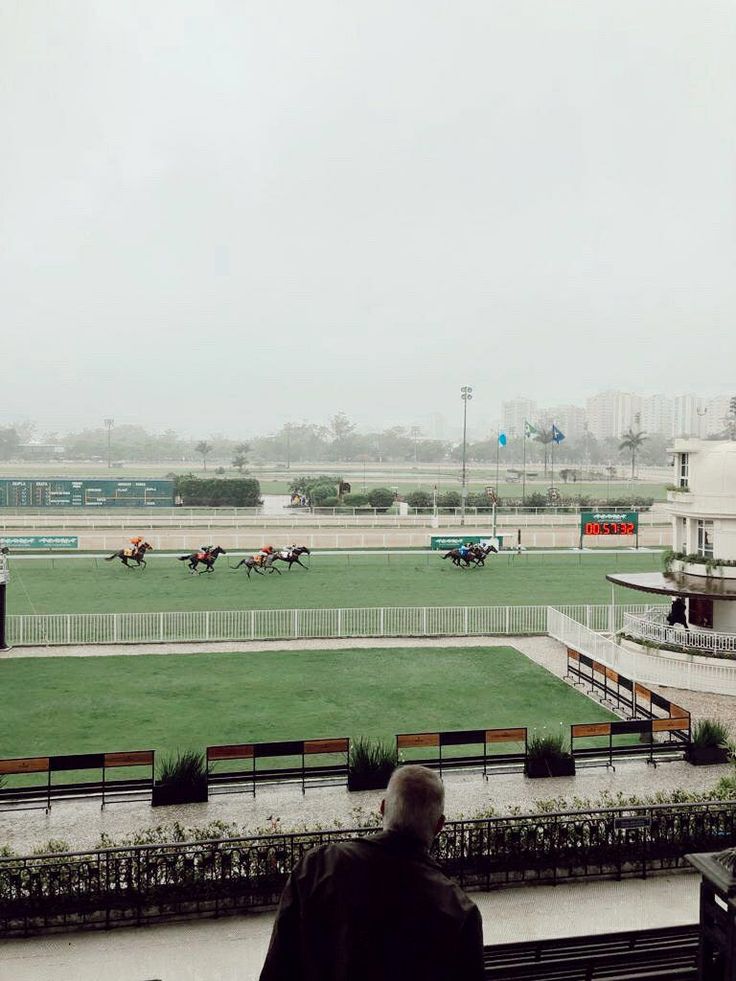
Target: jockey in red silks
(263, 553)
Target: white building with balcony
(702, 571)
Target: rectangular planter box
(164, 795)
(550, 768)
(707, 755)
(377, 781)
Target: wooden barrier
(481, 739)
(650, 713)
(36, 796)
(305, 749)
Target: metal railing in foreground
(127, 886)
(25, 630)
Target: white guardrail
(669, 668)
(232, 625)
(654, 627)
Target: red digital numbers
(609, 528)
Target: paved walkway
(232, 949)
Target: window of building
(705, 539)
(683, 473)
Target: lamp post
(3, 584)
(109, 423)
(466, 394)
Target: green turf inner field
(104, 704)
(95, 586)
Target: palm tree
(632, 442)
(203, 448)
(545, 437)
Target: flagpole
(552, 458)
(498, 450)
(523, 466)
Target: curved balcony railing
(653, 626)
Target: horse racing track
(87, 585)
(94, 704)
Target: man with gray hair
(379, 908)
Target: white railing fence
(221, 625)
(653, 627)
(668, 668)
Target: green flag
(530, 432)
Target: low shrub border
(145, 883)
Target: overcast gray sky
(223, 215)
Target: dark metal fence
(146, 883)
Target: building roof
(675, 585)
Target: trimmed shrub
(319, 494)
(380, 497)
(419, 499)
(355, 500)
(449, 499)
(238, 492)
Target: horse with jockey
(206, 556)
(136, 552)
(290, 554)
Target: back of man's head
(414, 803)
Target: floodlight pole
(466, 394)
(109, 423)
(4, 575)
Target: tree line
(339, 440)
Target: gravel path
(80, 823)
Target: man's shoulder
(386, 848)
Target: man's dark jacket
(378, 909)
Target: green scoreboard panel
(85, 493)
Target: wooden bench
(663, 954)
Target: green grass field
(96, 704)
(95, 586)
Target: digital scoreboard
(608, 523)
(86, 493)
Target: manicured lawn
(89, 586)
(95, 586)
(95, 704)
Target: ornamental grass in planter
(181, 779)
(709, 743)
(549, 756)
(371, 764)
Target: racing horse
(136, 553)
(206, 557)
(459, 557)
(482, 550)
(475, 556)
(290, 555)
(258, 563)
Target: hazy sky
(224, 215)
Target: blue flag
(502, 439)
(557, 435)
